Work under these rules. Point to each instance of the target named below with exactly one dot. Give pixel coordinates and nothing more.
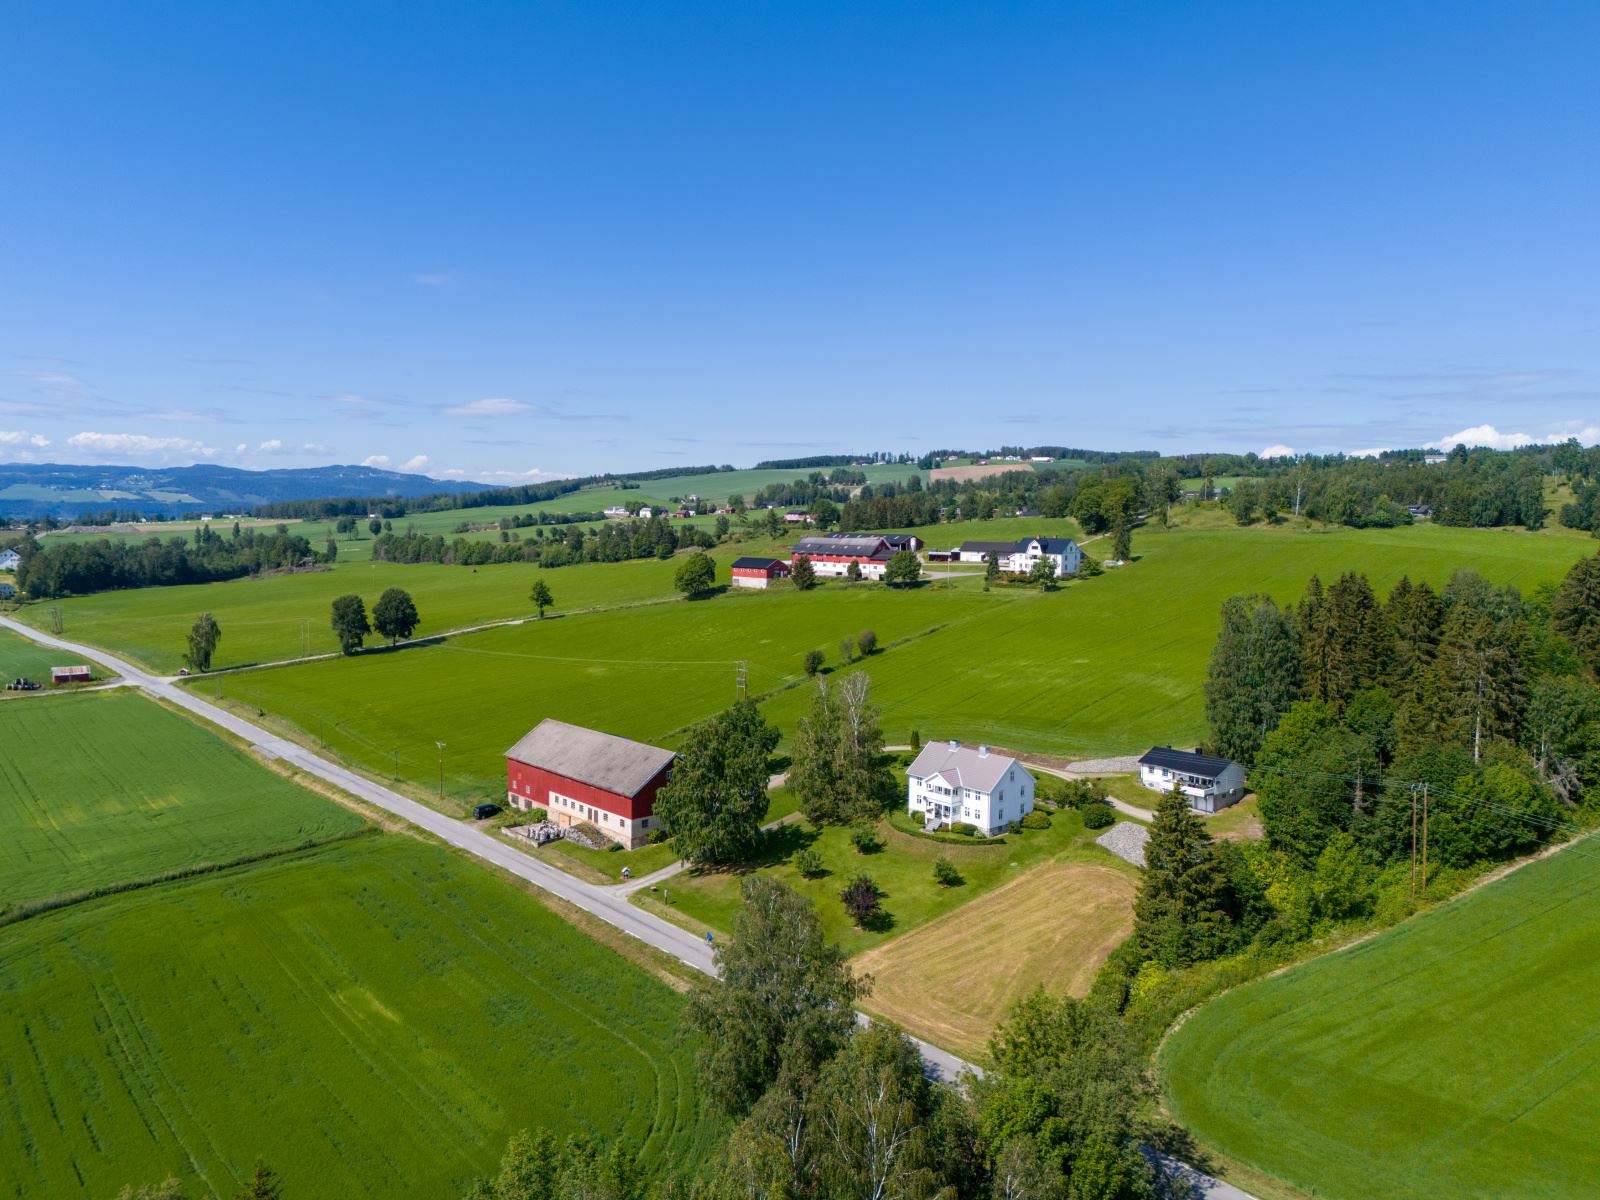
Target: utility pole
(1413, 841)
(1424, 839)
(396, 772)
(738, 683)
(441, 773)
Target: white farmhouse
(1063, 554)
(949, 782)
(1211, 783)
(10, 560)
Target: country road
(609, 902)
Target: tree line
(76, 568)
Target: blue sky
(504, 240)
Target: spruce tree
(1314, 641)
(1357, 638)
(1575, 612)
(1182, 914)
(1254, 674)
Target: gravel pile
(1126, 840)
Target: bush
(865, 839)
(860, 898)
(1037, 819)
(945, 873)
(813, 661)
(867, 641)
(614, 848)
(809, 863)
(1098, 816)
(916, 741)
(962, 828)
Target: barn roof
(758, 564)
(601, 760)
(1205, 766)
(871, 546)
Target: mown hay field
(1455, 1055)
(954, 980)
(110, 787)
(373, 1018)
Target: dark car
(485, 811)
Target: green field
(20, 657)
(111, 787)
(1106, 665)
(262, 619)
(1455, 1055)
(373, 1018)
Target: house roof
(961, 766)
(589, 756)
(1206, 766)
(758, 564)
(856, 547)
(1047, 545)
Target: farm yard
(89, 797)
(953, 980)
(374, 1017)
(1454, 1055)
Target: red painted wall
(543, 782)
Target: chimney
(954, 745)
(983, 752)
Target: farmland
(373, 1018)
(20, 657)
(1454, 1055)
(111, 787)
(1106, 665)
(954, 980)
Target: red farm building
(581, 775)
(758, 572)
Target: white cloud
(1589, 435)
(415, 465)
(1371, 452)
(1482, 435)
(531, 475)
(140, 446)
(375, 460)
(1278, 451)
(21, 437)
(436, 279)
(271, 446)
(315, 448)
(495, 406)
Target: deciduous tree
(203, 638)
(696, 575)
(350, 623)
(395, 615)
(717, 797)
(838, 770)
(904, 568)
(541, 597)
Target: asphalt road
(608, 903)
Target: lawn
(262, 619)
(374, 1019)
(1455, 1055)
(110, 787)
(644, 673)
(955, 979)
(902, 869)
(20, 657)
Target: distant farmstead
(1210, 783)
(582, 776)
(758, 572)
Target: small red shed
(758, 572)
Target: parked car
(484, 811)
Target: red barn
(758, 572)
(581, 775)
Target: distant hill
(61, 491)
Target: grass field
(373, 1018)
(20, 657)
(1455, 1055)
(953, 980)
(261, 619)
(903, 870)
(111, 787)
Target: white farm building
(1210, 783)
(950, 782)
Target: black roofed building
(1211, 783)
(833, 555)
(758, 572)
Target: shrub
(1037, 819)
(1098, 816)
(867, 641)
(916, 741)
(809, 863)
(536, 815)
(813, 661)
(865, 839)
(963, 828)
(614, 848)
(847, 650)
(945, 873)
(861, 898)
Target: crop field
(903, 871)
(262, 619)
(21, 658)
(954, 980)
(1455, 1055)
(644, 673)
(373, 1018)
(111, 787)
